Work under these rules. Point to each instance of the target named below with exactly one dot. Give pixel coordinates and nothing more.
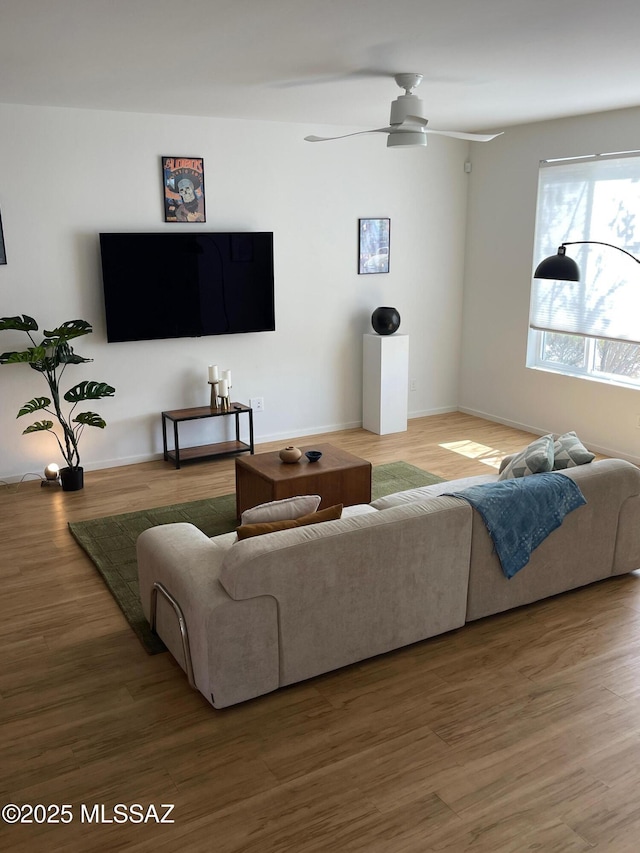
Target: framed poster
(3, 254)
(373, 245)
(183, 181)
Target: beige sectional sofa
(246, 617)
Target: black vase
(385, 321)
(72, 479)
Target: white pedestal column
(385, 383)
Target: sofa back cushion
(593, 542)
(358, 586)
(423, 493)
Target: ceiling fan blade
(344, 136)
(332, 77)
(474, 137)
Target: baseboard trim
(536, 430)
(428, 413)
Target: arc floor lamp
(563, 268)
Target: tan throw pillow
(331, 513)
(280, 510)
(536, 458)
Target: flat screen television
(162, 285)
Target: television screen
(162, 285)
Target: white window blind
(595, 198)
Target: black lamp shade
(559, 267)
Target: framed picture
(3, 254)
(373, 245)
(183, 181)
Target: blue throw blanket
(520, 513)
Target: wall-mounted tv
(161, 285)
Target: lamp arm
(600, 243)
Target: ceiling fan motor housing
(411, 138)
(405, 105)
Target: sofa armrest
(234, 644)
(615, 485)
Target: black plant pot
(385, 321)
(72, 479)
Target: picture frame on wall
(3, 254)
(183, 183)
(373, 246)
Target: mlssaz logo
(121, 813)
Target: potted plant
(50, 357)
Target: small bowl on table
(313, 455)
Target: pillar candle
(223, 389)
(226, 374)
(213, 373)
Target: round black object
(385, 321)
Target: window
(589, 328)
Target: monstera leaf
(21, 324)
(70, 329)
(39, 426)
(65, 355)
(34, 406)
(89, 391)
(32, 356)
(90, 419)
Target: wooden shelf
(203, 451)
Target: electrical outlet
(638, 421)
(257, 404)
(413, 385)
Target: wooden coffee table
(338, 477)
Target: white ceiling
(487, 63)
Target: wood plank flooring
(518, 732)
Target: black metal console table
(205, 451)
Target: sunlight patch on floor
(472, 450)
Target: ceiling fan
(408, 126)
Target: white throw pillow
(284, 510)
(569, 451)
(536, 458)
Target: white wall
(66, 175)
(499, 264)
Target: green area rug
(111, 541)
